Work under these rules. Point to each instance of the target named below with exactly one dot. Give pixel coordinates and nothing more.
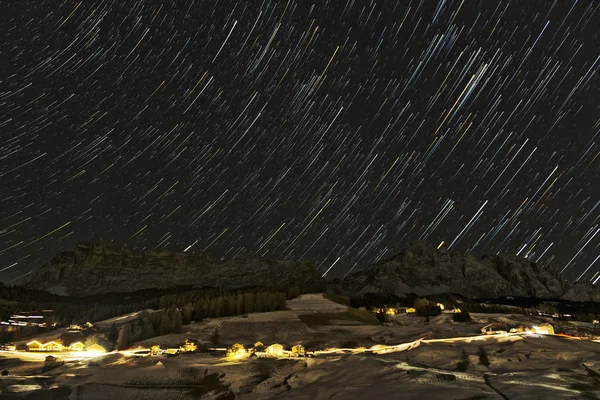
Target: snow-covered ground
(520, 367)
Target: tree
(188, 313)
(177, 321)
(124, 337)
(215, 337)
(483, 357)
(463, 364)
(113, 334)
(293, 292)
(462, 316)
(426, 308)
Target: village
(312, 334)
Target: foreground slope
(517, 366)
(423, 270)
(98, 267)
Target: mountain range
(97, 267)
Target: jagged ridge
(423, 270)
(99, 267)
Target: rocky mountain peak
(421, 269)
(94, 267)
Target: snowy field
(514, 367)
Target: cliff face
(422, 270)
(98, 267)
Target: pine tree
(188, 313)
(113, 334)
(177, 321)
(124, 337)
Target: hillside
(98, 267)
(423, 270)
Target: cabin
(544, 329)
(237, 350)
(77, 346)
(189, 346)
(495, 328)
(52, 346)
(75, 328)
(96, 348)
(34, 346)
(8, 347)
(258, 346)
(275, 350)
(298, 350)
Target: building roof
(96, 347)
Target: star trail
(332, 131)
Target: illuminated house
(545, 329)
(411, 310)
(96, 348)
(189, 346)
(155, 350)
(259, 346)
(8, 347)
(390, 311)
(274, 350)
(495, 328)
(441, 306)
(34, 346)
(237, 350)
(298, 350)
(52, 346)
(77, 346)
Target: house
(274, 350)
(77, 346)
(34, 346)
(298, 350)
(237, 350)
(495, 328)
(96, 348)
(411, 310)
(189, 346)
(52, 346)
(259, 346)
(155, 350)
(8, 347)
(544, 329)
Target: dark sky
(333, 131)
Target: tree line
(170, 319)
(192, 304)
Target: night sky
(331, 131)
